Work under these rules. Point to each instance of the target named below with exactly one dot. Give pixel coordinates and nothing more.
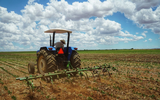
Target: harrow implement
(68, 72)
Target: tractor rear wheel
(46, 63)
(75, 60)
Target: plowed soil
(138, 77)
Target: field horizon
(105, 51)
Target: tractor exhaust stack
(50, 40)
(53, 38)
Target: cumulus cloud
(34, 11)
(28, 28)
(78, 10)
(9, 17)
(150, 39)
(144, 33)
(141, 13)
(145, 4)
(145, 41)
(30, 1)
(146, 16)
(106, 27)
(124, 6)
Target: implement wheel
(46, 63)
(31, 68)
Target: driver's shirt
(59, 45)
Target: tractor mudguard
(38, 51)
(49, 48)
(70, 50)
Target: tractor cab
(59, 31)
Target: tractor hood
(57, 31)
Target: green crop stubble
(9, 72)
(120, 51)
(14, 64)
(1, 81)
(14, 68)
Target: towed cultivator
(56, 61)
(49, 77)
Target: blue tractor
(50, 58)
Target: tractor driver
(60, 44)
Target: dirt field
(138, 78)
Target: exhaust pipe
(50, 40)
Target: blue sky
(105, 24)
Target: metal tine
(81, 74)
(52, 83)
(114, 69)
(90, 68)
(92, 74)
(68, 76)
(99, 76)
(104, 70)
(72, 74)
(109, 66)
(40, 85)
(87, 75)
(109, 73)
(58, 76)
(95, 71)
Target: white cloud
(150, 39)
(141, 13)
(145, 41)
(30, 1)
(28, 28)
(78, 10)
(137, 33)
(9, 17)
(146, 16)
(106, 27)
(145, 4)
(144, 33)
(34, 12)
(124, 6)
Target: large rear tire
(75, 60)
(46, 63)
